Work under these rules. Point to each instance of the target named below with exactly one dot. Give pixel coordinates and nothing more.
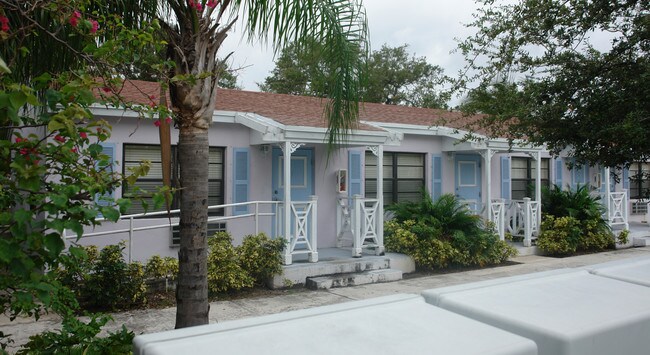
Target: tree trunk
(192, 288)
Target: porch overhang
(459, 140)
(269, 131)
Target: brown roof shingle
(306, 111)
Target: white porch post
(380, 200)
(286, 150)
(488, 182)
(538, 189)
(607, 192)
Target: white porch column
(538, 189)
(607, 192)
(488, 182)
(286, 150)
(380, 199)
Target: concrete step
(353, 279)
(297, 273)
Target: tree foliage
(394, 77)
(57, 177)
(568, 74)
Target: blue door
(302, 175)
(468, 179)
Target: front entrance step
(297, 273)
(353, 279)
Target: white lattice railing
(522, 219)
(617, 209)
(497, 216)
(303, 235)
(358, 226)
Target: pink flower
(5, 23)
(24, 151)
(74, 150)
(18, 140)
(199, 7)
(212, 3)
(168, 120)
(74, 19)
(59, 138)
(156, 123)
(106, 89)
(83, 135)
(95, 26)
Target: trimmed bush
(559, 236)
(252, 263)
(103, 280)
(573, 222)
(224, 270)
(261, 256)
(443, 233)
(161, 268)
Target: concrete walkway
(154, 320)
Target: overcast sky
(427, 26)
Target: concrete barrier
(566, 311)
(399, 324)
(635, 270)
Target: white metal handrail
(135, 217)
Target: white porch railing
(498, 217)
(303, 236)
(304, 222)
(521, 219)
(616, 205)
(359, 221)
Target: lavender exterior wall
(158, 241)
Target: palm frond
(340, 27)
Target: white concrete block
(400, 324)
(401, 262)
(565, 313)
(635, 270)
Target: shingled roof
(293, 110)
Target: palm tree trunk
(192, 289)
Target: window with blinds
(403, 176)
(136, 153)
(523, 173)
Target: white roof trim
(271, 131)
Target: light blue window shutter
(241, 178)
(354, 173)
(107, 149)
(505, 178)
(559, 170)
(626, 180)
(436, 176)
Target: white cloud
(427, 26)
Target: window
(640, 180)
(135, 153)
(403, 176)
(523, 173)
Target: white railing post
(356, 226)
(527, 222)
(313, 255)
(257, 211)
(339, 220)
(130, 237)
(625, 215)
